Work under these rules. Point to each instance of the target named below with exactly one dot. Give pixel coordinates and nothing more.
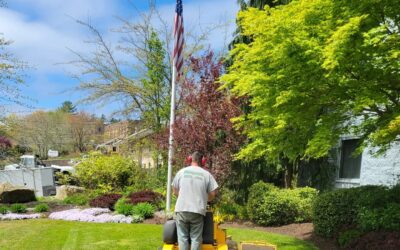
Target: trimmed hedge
(366, 208)
(271, 206)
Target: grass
(48, 234)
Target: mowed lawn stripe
(66, 235)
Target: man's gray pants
(189, 225)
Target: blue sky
(43, 30)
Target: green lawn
(48, 234)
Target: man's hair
(196, 157)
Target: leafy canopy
(316, 69)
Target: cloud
(42, 30)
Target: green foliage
(387, 218)
(334, 210)
(144, 210)
(312, 68)
(317, 173)
(305, 197)
(347, 236)
(156, 87)
(227, 207)
(67, 107)
(257, 195)
(268, 205)
(366, 208)
(246, 173)
(40, 208)
(64, 179)
(147, 179)
(394, 194)
(107, 173)
(3, 209)
(18, 208)
(277, 208)
(77, 199)
(123, 207)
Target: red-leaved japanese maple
(203, 121)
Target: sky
(44, 31)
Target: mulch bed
(302, 231)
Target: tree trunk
(288, 166)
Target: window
(350, 164)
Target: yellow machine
(214, 238)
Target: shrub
(226, 206)
(145, 210)
(277, 208)
(305, 197)
(40, 208)
(122, 207)
(76, 199)
(348, 236)
(105, 201)
(18, 208)
(394, 194)
(333, 211)
(387, 218)
(108, 173)
(370, 196)
(257, 195)
(65, 179)
(366, 207)
(146, 196)
(3, 209)
(268, 205)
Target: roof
(138, 135)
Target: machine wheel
(232, 245)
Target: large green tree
(314, 70)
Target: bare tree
(108, 78)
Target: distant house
(127, 135)
(365, 168)
(121, 129)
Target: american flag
(179, 40)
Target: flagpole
(171, 138)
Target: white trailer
(31, 174)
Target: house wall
(383, 170)
(375, 170)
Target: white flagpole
(171, 138)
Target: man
(194, 187)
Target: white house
(366, 169)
